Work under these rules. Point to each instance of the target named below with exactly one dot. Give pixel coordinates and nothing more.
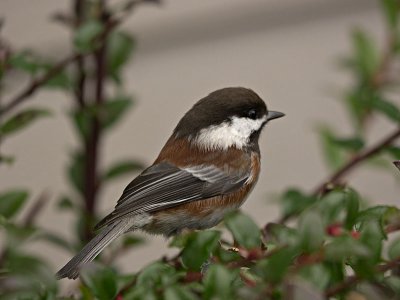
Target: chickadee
(207, 168)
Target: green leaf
(244, 230)
(112, 111)
(65, 203)
(394, 249)
(390, 110)
(391, 216)
(178, 292)
(393, 151)
(34, 65)
(25, 61)
(140, 293)
(179, 240)
(29, 271)
(199, 247)
(311, 231)
(363, 267)
(120, 48)
(122, 168)
(21, 263)
(333, 154)
(32, 276)
(218, 283)
(274, 268)
(331, 207)
(108, 113)
(294, 201)
(101, 281)
(11, 202)
(356, 101)
(353, 144)
(86, 35)
(83, 120)
(352, 206)
(344, 247)
(282, 234)
(391, 10)
(86, 293)
(337, 271)
(55, 240)
(132, 240)
(7, 159)
(366, 54)
(394, 283)
(156, 275)
(382, 213)
(75, 171)
(372, 236)
(21, 120)
(225, 255)
(61, 80)
(318, 275)
(18, 234)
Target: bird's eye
(252, 114)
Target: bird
(207, 168)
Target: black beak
(274, 115)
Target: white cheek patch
(235, 133)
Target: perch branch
(357, 159)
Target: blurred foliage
(334, 247)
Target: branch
(357, 159)
(351, 280)
(35, 210)
(38, 82)
(79, 7)
(92, 142)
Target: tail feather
(92, 249)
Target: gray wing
(164, 185)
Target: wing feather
(164, 185)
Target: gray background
(286, 50)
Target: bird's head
(229, 117)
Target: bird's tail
(93, 248)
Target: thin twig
(35, 209)
(36, 83)
(354, 161)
